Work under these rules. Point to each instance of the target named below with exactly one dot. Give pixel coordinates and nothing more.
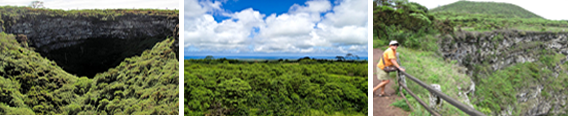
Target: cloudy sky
(97, 4)
(275, 28)
(549, 9)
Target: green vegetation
(31, 84)
(513, 79)
(501, 10)
(86, 13)
(406, 22)
(401, 103)
(423, 60)
(431, 68)
(410, 23)
(305, 87)
(486, 16)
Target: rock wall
(46, 32)
(503, 48)
(86, 45)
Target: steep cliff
(501, 48)
(516, 72)
(86, 42)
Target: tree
(351, 55)
(37, 4)
(340, 58)
(209, 57)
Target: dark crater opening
(96, 55)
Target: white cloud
(288, 25)
(302, 30)
(349, 12)
(316, 6)
(193, 9)
(347, 35)
(204, 32)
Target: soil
(382, 105)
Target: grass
(401, 103)
(432, 69)
(519, 78)
(493, 8)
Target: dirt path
(382, 105)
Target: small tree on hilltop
(37, 4)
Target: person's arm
(396, 64)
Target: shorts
(381, 74)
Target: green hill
(505, 10)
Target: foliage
(31, 84)
(512, 79)
(37, 4)
(503, 10)
(430, 68)
(406, 22)
(227, 87)
(485, 16)
(401, 103)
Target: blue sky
(262, 6)
(275, 28)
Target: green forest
(302, 87)
(34, 85)
(419, 30)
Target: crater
(95, 55)
(85, 45)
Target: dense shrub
(217, 87)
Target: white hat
(393, 42)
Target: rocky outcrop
(85, 44)
(500, 49)
(47, 32)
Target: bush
(401, 103)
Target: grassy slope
(487, 16)
(492, 8)
(31, 84)
(275, 88)
(432, 69)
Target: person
(387, 61)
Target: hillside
(32, 84)
(504, 10)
